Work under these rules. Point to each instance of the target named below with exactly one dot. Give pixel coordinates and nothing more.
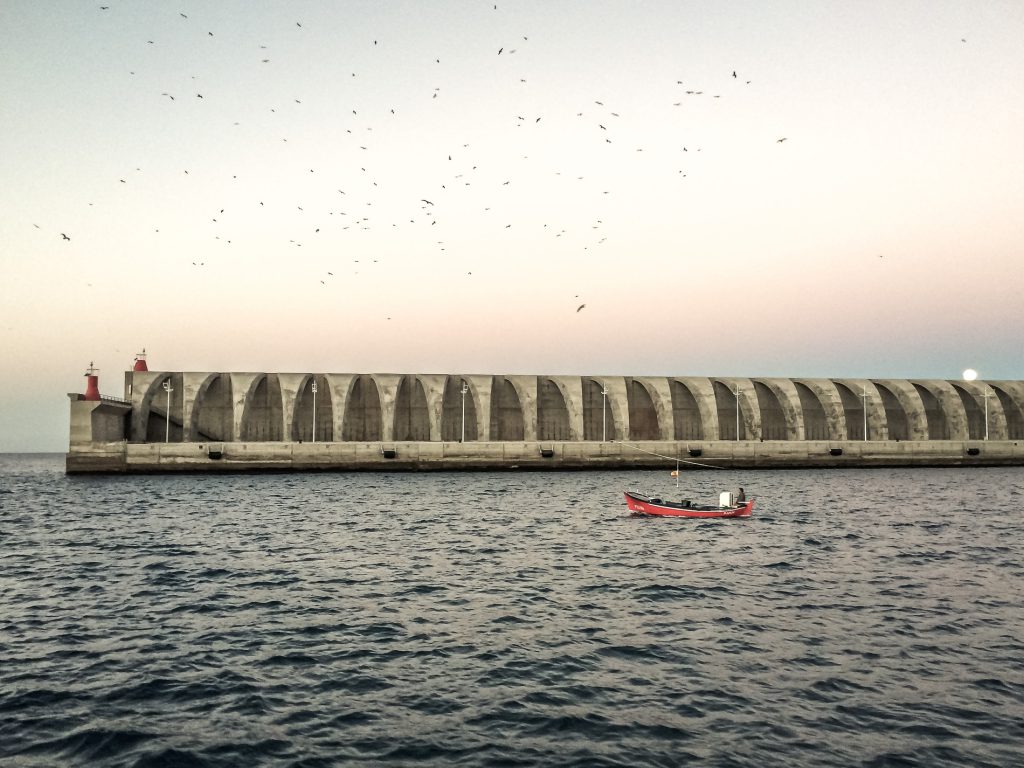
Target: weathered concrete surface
(124, 457)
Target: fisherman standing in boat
(741, 497)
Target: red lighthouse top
(140, 361)
(92, 383)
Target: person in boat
(741, 497)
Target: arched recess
(686, 419)
(643, 418)
(726, 407)
(305, 403)
(853, 409)
(815, 421)
(599, 420)
(160, 428)
(506, 411)
(1013, 412)
(895, 416)
(975, 414)
(451, 411)
(552, 412)
(938, 425)
(412, 416)
(773, 418)
(362, 422)
(263, 418)
(213, 416)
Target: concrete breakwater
(213, 421)
(417, 456)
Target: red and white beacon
(92, 383)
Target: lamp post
(314, 410)
(736, 394)
(463, 391)
(167, 432)
(864, 398)
(604, 414)
(986, 395)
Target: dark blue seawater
(864, 617)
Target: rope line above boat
(676, 459)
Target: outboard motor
(726, 499)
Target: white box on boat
(726, 499)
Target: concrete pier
(124, 457)
(214, 421)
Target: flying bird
(581, 306)
(779, 141)
(65, 237)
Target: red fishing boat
(641, 505)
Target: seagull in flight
(581, 306)
(65, 237)
(779, 141)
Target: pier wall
(249, 421)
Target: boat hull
(639, 504)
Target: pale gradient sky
(883, 238)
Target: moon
(970, 374)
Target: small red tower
(140, 361)
(92, 383)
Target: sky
(793, 189)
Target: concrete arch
(973, 411)
(693, 409)
(951, 413)
(339, 386)
(1011, 401)
(553, 421)
(158, 428)
(821, 408)
(212, 416)
(726, 409)
(904, 412)
(507, 422)
(779, 407)
(363, 421)
(856, 395)
(451, 411)
(643, 418)
(603, 416)
(263, 417)
(303, 415)
(412, 415)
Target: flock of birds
(429, 208)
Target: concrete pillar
(387, 391)
(618, 405)
(242, 386)
(480, 391)
(433, 388)
(526, 389)
(340, 386)
(571, 388)
(193, 384)
(291, 385)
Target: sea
(858, 618)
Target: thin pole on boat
(677, 475)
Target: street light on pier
(314, 410)
(463, 391)
(604, 414)
(167, 432)
(864, 398)
(987, 395)
(736, 394)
